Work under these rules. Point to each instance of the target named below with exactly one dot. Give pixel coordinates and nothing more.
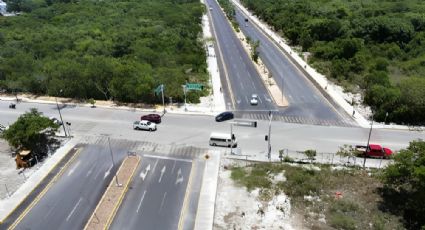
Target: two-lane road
(157, 194)
(71, 199)
(242, 76)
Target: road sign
(194, 86)
(159, 89)
(247, 123)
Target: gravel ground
(10, 178)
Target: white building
(3, 7)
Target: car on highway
(254, 99)
(224, 116)
(155, 118)
(144, 125)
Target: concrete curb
(8, 205)
(206, 207)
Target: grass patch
(356, 208)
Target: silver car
(144, 125)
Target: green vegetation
(229, 10)
(357, 206)
(119, 50)
(404, 185)
(377, 45)
(32, 131)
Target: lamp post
(368, 141)
(113, 162)
(184, 92)
(269, 147)
(60, 114)
(385, 120)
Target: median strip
(106, 209)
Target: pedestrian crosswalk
(294, 119)
(145, 147)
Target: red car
(374, 151)
(155, 118)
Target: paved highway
(304, 98)
(72, 198)
(156, 197)
(242, 75)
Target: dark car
(224, 116)
(155, 118)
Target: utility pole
(60, 114)
(231, 138)
(163, 102)
(269, 147)
(184, 91)
(113, 162)
(368, 141)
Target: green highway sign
(159, 89)
(194, 86)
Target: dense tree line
(377, 45)
(120, 50)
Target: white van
(222, 139)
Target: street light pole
(163, 102)
(269, 147)
(231, 138)
(368, 141)
(60, 115)
(184, 91)
(113, 162)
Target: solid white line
(141, 200)
(167, 158)
(73, 210)
(174, 165)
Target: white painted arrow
(162, 173)
(179, 179)
(108, 172)
(145, 172)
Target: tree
(311, 154)
(404, 185)
(31, 131)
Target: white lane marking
(162, 173)
(174, 165)
(141, 200)
(108, 172)
(145, 172)
(166, 158)
(154, 166)
(73, 210)
(88, 173)
(162, 203)
(71, 171)
(179, 179)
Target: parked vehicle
(12, 106)
(224, 116)
(254, 99)
(144, 125)
(374, 150)
(223, 139)
(152, 118)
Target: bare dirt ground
(236, 208)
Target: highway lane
(194, 130)
(72, 198)
(156, 197)
(242, 75)
(304, 98)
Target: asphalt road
(242, 75)
(72, 198)
(156, 195)
(194, 130)
(305, 100)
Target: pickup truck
(374, 150)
